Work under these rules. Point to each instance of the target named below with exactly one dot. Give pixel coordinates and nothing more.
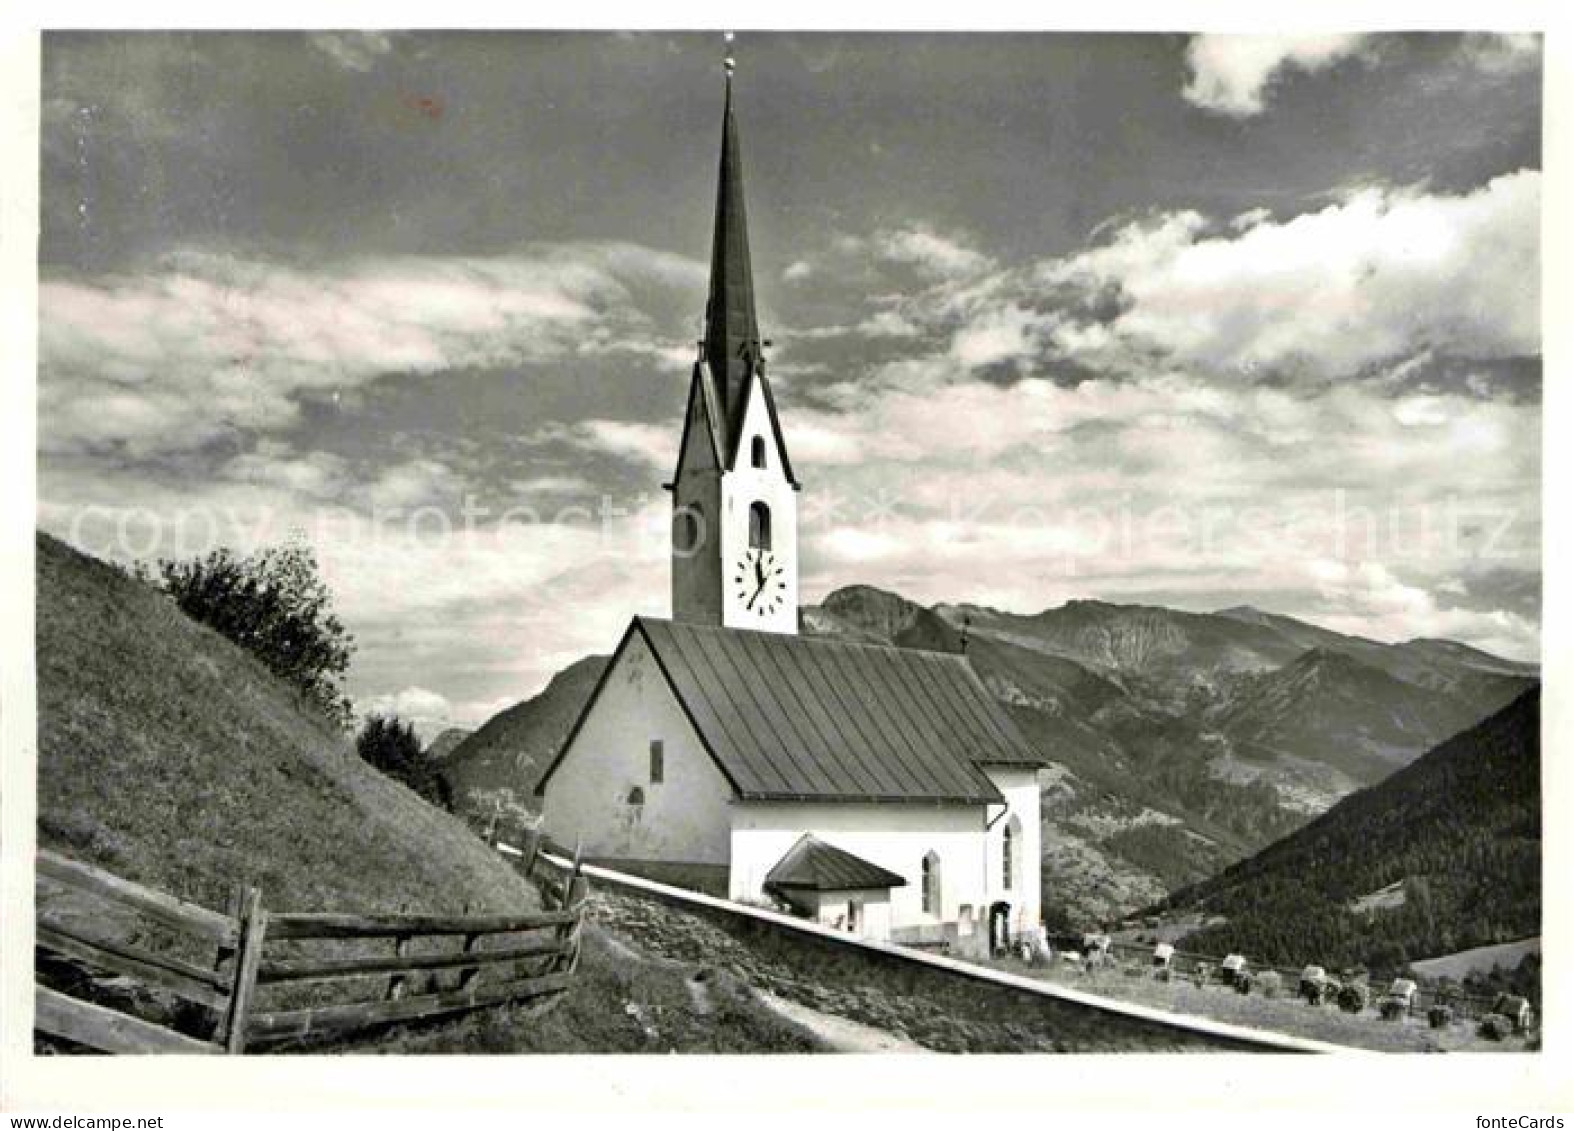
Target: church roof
(813, 865)
(803, 718)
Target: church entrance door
(999, 928)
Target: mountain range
(1181, 742)
(1440, 856)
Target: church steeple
(732, 332)
(734, 505)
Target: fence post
(225, 953)
(248, 956)
(396, 983)
(528, 850)
(576, 888)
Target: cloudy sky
(1197, 321)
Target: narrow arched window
(757, 451)
(688, 529)
(930, 888)
(1010, 852)
(759, 526)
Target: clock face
(760, 582)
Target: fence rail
(92, 923)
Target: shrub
(275, 605)
(1353, 997)
(1270, 983)
(1440, 1016)
(1495, 1027)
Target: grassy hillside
(172, 757)
(1459, 830)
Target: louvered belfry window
(759, 526)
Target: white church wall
(894, 836)
(1019, 786)
(683, 817)
(741, 487)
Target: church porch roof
(813, 865)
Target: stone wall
(937, 1003)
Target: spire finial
(728, 63)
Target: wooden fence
(204, 975)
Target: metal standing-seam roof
(813, 865)
(806, 718)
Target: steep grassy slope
(170, 756)
(1459, 829)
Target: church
(876, 789)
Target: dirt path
(838, 1033)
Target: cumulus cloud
(996, 336)
(207, 345)
(1231, 74)
(1380, 278)
(931, 253)
(1382, 274)
(318, 475)
(412, 704)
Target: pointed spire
(732, 334)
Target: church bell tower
(734, 496)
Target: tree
(394, 748)
(274, 604)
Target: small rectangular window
(657, 761)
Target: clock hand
(759, 574)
